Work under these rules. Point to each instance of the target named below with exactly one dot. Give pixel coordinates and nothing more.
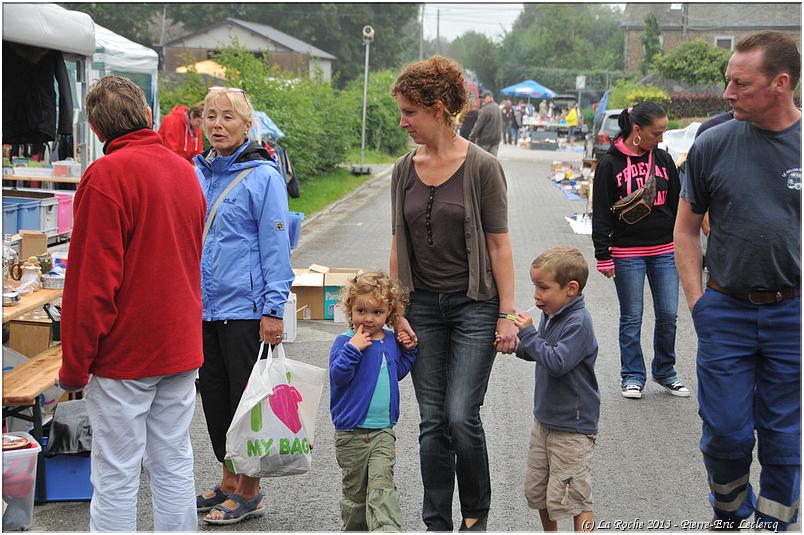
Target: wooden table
(23, 385)
(59, 179)
(30, 302)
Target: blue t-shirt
(379, 413)
(749, 179)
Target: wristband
(506, 316)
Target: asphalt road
(647, 469)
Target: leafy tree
(695, 62)
(477, 52)
(333, 27)
(651, 46)
(337, 28)
(625, 93)
(568, 36)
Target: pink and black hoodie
(620, 172)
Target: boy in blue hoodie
(365, 366)
(566, 399)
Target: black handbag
(637, 206)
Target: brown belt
(758, 297)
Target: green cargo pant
(369, 500)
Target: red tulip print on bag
(284, 402)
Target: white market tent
(71, 32)
(114, 54)
(49, 26)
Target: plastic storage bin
(64, 217)
(67, 477)
(294, 227)
(19, 481)
(48, 209)
(28, 212)
(9, 217)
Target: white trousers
(142, 422)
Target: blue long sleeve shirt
(565, 396)
(353, 377)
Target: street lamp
(368, 37)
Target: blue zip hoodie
(245, 264)
(353, 377)
(565, 395)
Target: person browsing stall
(366, 364)
(131, 313)
(245, 282)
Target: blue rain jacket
(245, 263)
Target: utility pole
(438, 31)
(684, 20)
(421, 35)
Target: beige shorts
(559, 475)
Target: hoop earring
(635, 142)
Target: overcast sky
(491, 19)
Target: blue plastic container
(67, 477)
(294, 227)
(28, 213)
(9, 217)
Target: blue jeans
(450, 376)
(629, 279)
(749, 378)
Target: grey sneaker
(677, 388)
(632, 391)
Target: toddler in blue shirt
(365, 366)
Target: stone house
(721, 25)
(286, 51)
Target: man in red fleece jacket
(131, 312)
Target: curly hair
(381, 288)
(429, 81)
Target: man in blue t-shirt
(747, 174)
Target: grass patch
(372, 156)
(320, 191)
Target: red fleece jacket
(132, 294)
(178, 136)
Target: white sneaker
(632, 391)
(677, 388)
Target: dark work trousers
(230, 351)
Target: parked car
(603, 132)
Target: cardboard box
(31, 333)
(555, 167)
(309, 289)
(32, 243)
(334, 280)
(317, 289)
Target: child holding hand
(566, 399)
(365, 366)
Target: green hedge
(321, 124)
(695, 105)
(626, 93)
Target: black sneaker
(677, 388)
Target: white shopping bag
(272, 431)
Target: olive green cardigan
(485, 201)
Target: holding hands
(405, 334)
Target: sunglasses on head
(221, 89)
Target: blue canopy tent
(529, 89)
